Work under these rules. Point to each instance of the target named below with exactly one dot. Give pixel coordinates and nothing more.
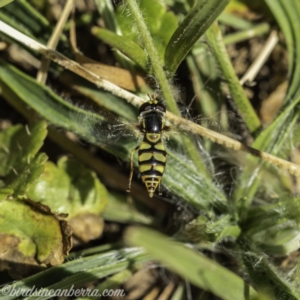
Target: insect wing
(105, 131)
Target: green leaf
(31, 237)
(107, 12)
(21, 165)
(274, 137)
(273, 228)
(90, 126)
(81, 196)
(200, 17)
(102, 98)
(20, 145)
(119, 210)
(80, 271)
(223, 228)
(243, 104)
(25, 18)
(123, 44)
(195, 267)
(234, 21)
(4, 2)
(80, 191)
(96, 129)
(268, 279)
(160, 23)
(207, 233)
(5, 192)
(287, 15)
(190, 182)
(26, 175)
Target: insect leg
(131, 168)
(159, 189)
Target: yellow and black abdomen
(152, 157)
(152, 152)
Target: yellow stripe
(160, 157)
(145, 156)
(144, 168)
(145, 146)
(159, 168)
(160, 146)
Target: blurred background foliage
(224, 216)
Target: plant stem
(162, 79)
(217, 46)
(153, 56)
(246, 34)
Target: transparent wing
(105, 130)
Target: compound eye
(161, 107)
(145, 107)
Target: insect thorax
(152, 122)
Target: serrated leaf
(200, 17)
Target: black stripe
(151, 179)
(151, 150)
(152, 173)
(152, 161)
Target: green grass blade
(80, 271)
(234, 21)
(91, 127)
(124, 45)
(268, 279)
(201, 16)
(24, 17)
(5, 2)
(287, 13)
(292, 8)
(195, 267)
(243, 104)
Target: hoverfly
(152, 155)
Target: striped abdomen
(152, 161)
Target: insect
(152, 155)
